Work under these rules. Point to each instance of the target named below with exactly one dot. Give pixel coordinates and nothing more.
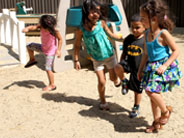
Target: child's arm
(59, 38)
(30, 28)
(109, 32)
(142, 64)
(78, 39)
(168, 39)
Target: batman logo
(134, 50)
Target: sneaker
(134, 113)
(124, 86)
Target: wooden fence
(131, 7)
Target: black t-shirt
(133, 49)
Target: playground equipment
(11, 33)
(21, 8)
(69, 19)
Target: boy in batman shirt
(130, 60)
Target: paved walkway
(8, 57)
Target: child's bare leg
(158, 100)
(156, 110)
(156, 117)
(31, 55)
(119, 71)
(113, 77)
(51, 85)
(137, 98)
(101, 85)
(165, 110)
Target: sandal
(154, 128)
(104, 106)
(165, 116)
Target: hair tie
(165, 17)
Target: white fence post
(13, 30)
(21, 42)
(2, 37)
(7, 26)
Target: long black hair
(92, 5)
(48, 22)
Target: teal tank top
(97, 44)
(155, 50)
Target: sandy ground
(72, 110)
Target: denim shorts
(48, 59)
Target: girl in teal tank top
(97, 44)
(159, 70)
(93, 31)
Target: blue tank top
(155, 50)
(97, 44)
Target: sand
(72, 111)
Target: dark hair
(159, 9)
(48, 22)
(91, 5)
(136, 18)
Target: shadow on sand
(27, 84)
(117, 114)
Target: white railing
(11, 33)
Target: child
(130, 61)
(49, 34)
(92, 30)
(161, 72)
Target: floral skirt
(154, 82)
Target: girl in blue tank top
(161, 72)
(93, 31)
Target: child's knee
(102, 83)
(117, 68)
(113, 77)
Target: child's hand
(25, 30)
(161, 69)
(58, 53)
(77, 65)
(139, 75)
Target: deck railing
(11, 33)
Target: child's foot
(135, 112)
(117, 84)
(49, 88)
(124, 86)
(155, 127)
(104, 106)
(30, 63)
(165, 116)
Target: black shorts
(133, 84)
